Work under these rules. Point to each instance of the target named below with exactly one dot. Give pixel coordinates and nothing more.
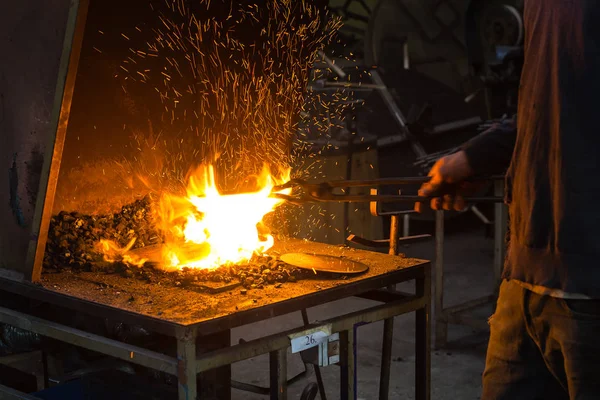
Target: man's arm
(491, 152)
(487, 154)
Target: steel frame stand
(457, 314)
(197, 355)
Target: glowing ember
(226, 228)
(113, 253)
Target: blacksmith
(545, 333)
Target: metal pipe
(339, 72)
(441, 326)
(406, 225)
(386, 359)
(278, 372)
(394, 233)
(423, 340)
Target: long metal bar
(388, 324)
(441, 326)
(386, 358)
(281, 340)
(345, 198)
(423, 340)
(385, 296)
(58, 128)
(394, 234)
(347, 363)
(385, 243)
(278, 372)
(342, 183)
(113, 348)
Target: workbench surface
(179, 306)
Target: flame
(217, 229)
(114, 253)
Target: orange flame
(217, 229)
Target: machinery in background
(431, 92)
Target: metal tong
(324, 192)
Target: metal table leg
(186, 367)
(423, 341)
(347, 364)
(386, 359)
(388, 324)
(278, 374)
(441, 325)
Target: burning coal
(224, 228)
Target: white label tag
(310, 338)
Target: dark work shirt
(553, 181)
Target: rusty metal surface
(164, 309)
(31, 44)
(321, 263)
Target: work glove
(447, 186)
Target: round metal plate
(322, 263)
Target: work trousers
(542, 347)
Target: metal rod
(480, 215)
(347, 372)
(394, 233)
(278, 372)
(423, 340)
(343, 198)
(406, 225)
(340, 72)
(348, 183)
(113, 348)
(441, 327)
(386, 358)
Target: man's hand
(448, 177)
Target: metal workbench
(193, 318)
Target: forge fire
(208, 98)
(204, 230)
(216, 229)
